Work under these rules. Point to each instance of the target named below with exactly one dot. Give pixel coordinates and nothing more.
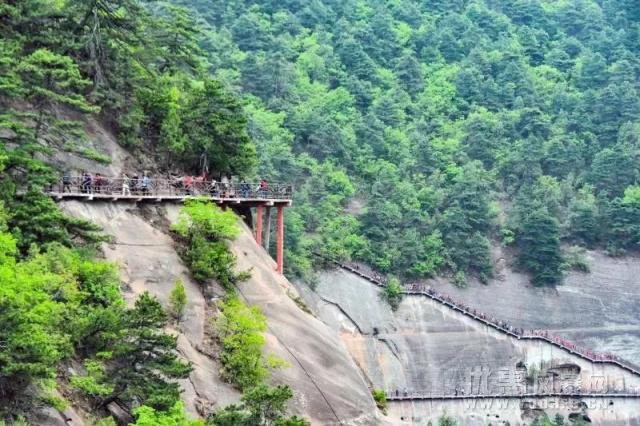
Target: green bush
(205, 230)
(94, 383)
(261, 405)
(380, 397)
(175, 416)
(392, 293)
(239, 329)
(178, 300)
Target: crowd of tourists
(142, 184)
(491, 320)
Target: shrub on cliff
(205, 229)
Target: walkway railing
(163, 187)
(418, 396)
(499, 325)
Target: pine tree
(144, 358)
(538, 242)
(50, 79)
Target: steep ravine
(327, 385)
(426, 347)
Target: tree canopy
(415, 127)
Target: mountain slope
(457, 123)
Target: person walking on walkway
(188, 185)
(263, 188)
(146, 183)
(134, 184)
(126, 182)
(98, 181)
(66, 182)
(86, 183)
(213, 189)
(244, 189)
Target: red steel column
(258, 227)
(280, 240)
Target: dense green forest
(67, 334)
(418, 133)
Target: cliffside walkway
(580, 395)
(171, 190)
(242, 196)
(501, 326)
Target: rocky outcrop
(426, 347)
(147, 260)
(328, 387)
(598, 310)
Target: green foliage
(105, 421)
(133, 358)
(35, 219)
(239, 329)
(204, 217)
(432, 111)
(60, 302)
(574, 258)
(262, 405)
(558, 420)
(446, 420)
(93, 383)
(139, 63)
(144, 359)
(50, 396)
(178, 300)
(205, 229)
(539, 247)
(392, 293)
(196, 119)
(34, 336)
(380, 397)
(175, 416)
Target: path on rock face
(426, 345)
(500, 326)
(536, 395)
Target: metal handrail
(592, 356)
(396, 395)
(171, 187)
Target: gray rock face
(148, 262)
(428, 348)
(600, 310)
(328, 387)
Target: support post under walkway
(259, 232)
(258, 227)
(280, 240)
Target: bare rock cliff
(425, 347)
(328, 387)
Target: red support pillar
(280, 240)
(258, 226)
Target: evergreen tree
(144, 358)
(50, 79)
(539, 247)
